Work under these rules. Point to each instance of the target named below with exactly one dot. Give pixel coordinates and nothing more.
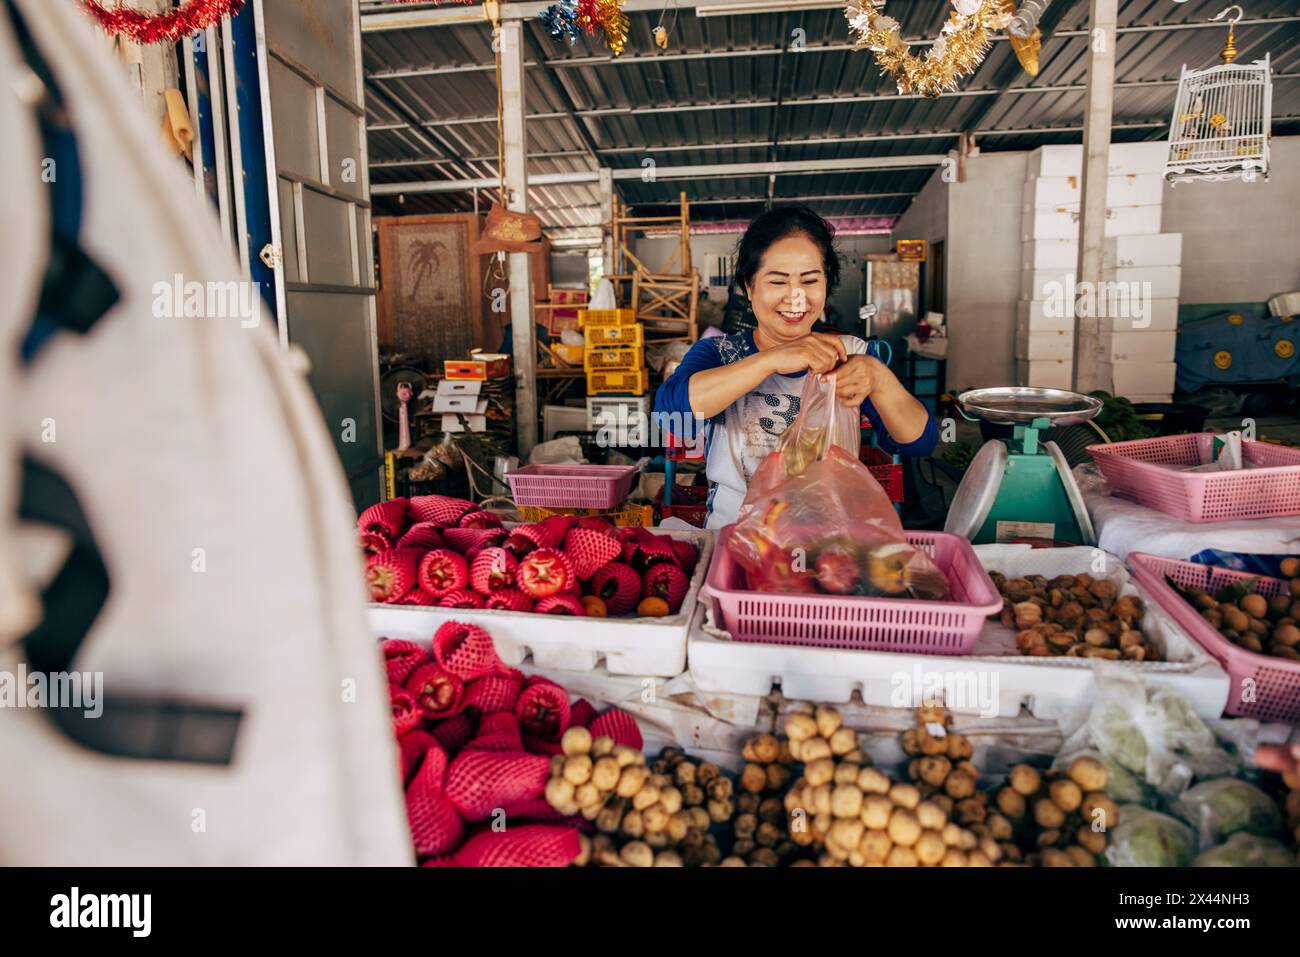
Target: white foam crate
(653, 647)
(1139, 378)
(1050, 254)
(1049, 688)
(1138, 346)
(1045, 373)
(1038, 315)
(1146, 189)
(1162, 249)
(1151, 282)
(1125, 158)
(1060, 222)
(1049, 344)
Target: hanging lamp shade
(1222, 118)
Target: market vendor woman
(746, 386)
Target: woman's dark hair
(778, 223)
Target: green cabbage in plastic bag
(1247, 850)
(1145, 838)
(1221, 808)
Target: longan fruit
(875, 846)
(1089, 773)
(1066, 794)
(930, 848)
(576, 740)
(901, 857)
(814, 749)
(874, 781)
(905, 795)
(753, 778)
(1025, 780)
(1011, 803)
(1047, 814)
(876, 809)
(1098, 806)
(577, 770)
(828, 721)
(903, 828)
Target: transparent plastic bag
(1146, 838)
(1223, 807)
(814, 521)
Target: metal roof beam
(811, 101)
(378, 18)
(713, 171)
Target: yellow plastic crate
(632, 382)
(616, 359)
(606, 317)
(573, 355)
(600, 337)
(623, 515)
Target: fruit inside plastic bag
(814, 520)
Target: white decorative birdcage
(1221, 122)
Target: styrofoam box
(1051, 688)
(1067, 159)
(1139, 378)
(1044, 373)
(617, 410)
(562, 418)
(1145, 189)
(1146, 315)
(1154, 282)
(1050, 254)
(1038, 315)
(1162, 249)
(655, 647)
(1054, 285)
(1138, 346)
(1052, 344)
(1062, 223)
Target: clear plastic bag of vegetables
(1152, 733)
(814, 520)
(1146, 838)
(1247, 850)
(1224, 807)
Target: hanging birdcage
(1222, 117)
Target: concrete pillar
(1098, 112)
(607, 220)
(520, 266)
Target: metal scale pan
(1029, 490)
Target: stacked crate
(613, 352)
(1139, 331)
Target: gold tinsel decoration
(612, 19)
(960, 48)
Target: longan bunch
(758, 831)
(611, 785)
(822, 736)
(1053, 812)
(707, 799)
(941, 767)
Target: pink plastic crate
(571, 486)
(1273, 683)
(861, 624)
(1140, 470)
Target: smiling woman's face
(789, 290)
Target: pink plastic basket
(571, 486)
(861, 624)
(1142, 470)
(1261, 686)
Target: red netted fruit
(667, 582)
(544, 572)
(618, 586)
(589, 550)
(492, 570)
(560, 605)
(461, 598)
(439, 509)
(510, 599)
(391, 574)
(443, 571)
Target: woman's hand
(816, 352)
(859, 377)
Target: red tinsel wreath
(187, 19)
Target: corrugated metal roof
(713, 98)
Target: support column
(607, 220)
(520, 264)
(1098, 112)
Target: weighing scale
(1022, 487)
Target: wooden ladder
(666, 300)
